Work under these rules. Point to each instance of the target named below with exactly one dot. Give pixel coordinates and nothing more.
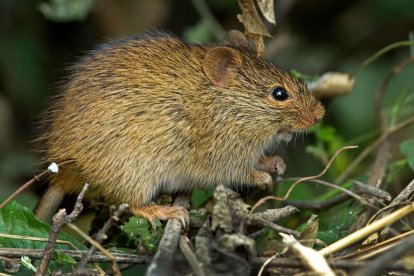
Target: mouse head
(260, 90)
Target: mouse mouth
(285, 135)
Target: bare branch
(162, 262)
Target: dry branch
(336, 264)
(34, 179)
(307, 178)
(162, 262)
(101, 236)
(188, 253)
(121, 258)
(367, 230)
(59, 220)
(391, 255)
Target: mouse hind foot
(162, 212)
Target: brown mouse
(152, 114)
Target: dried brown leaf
(332, 84)
(267, 7)
(259, 43)
(251, 19)
(308, 235)
(253, 25)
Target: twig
(338, 264)
(191, 258)
(35, 178)
(97, 245)
(252, 219)
(362, 188)
(404, 194)
(307, 178)
(369, 251)
(380, 53)
(75, 254)
(101, 236)
(162, 262)
(314, 261)
(202, 242)
(20, 237)
(393, 254)
(59, 220)
(400, 199)
(367, 230)
(318, 205)
(357, 190)
(273, 215)
(268, 261)
(206, 14)
(381, 91)
(383, 156)
(393, 129)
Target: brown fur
(142, 116)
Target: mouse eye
(279, 94)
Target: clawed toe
(154, 212)
(263, 180)
(272, 164)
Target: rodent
(153, 114)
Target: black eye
(279, 94)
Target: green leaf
(63, 259)
(15, 219)
(337, 221)
(199, 33)
(198, 197)
(407, 148)
(262, 241)
(139, 230)
(66, 10)
(310, 230)
(329, 236)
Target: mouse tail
(49, 203)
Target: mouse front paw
(272, 164)
(262, 180)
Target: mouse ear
(218, 63)
(238, 38)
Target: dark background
(312, 36)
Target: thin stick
(19, 237)
(281, 263)
(256, 220)
(367, 253)
(101, 236)
(190, 256)
(367, 230)
(108, 254)
(162, 262)
(30, 182)
(77, 255)
(59, 220)
(264, 199)
(381, 91)
(268, 261)
(310, 257)
(372, 147)
(393, 254)
(380, 53)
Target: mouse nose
(319, 113)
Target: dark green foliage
(140, 231)
(407, 148)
